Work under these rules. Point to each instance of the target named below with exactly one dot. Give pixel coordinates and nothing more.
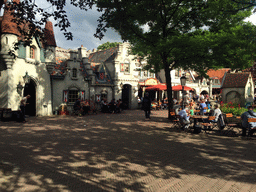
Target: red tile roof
(235, 80)
(217, 74)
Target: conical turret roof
(49, 34)
(8, 26)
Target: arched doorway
(30, 89)
(126, 95)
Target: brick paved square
(121, 152)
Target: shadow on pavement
(115, 152)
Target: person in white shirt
(216, 112)
(184, 117)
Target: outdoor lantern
(183, 80)
(26, 78)
(121, 85)
(19, 89)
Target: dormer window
(74, 73)
(32, 52)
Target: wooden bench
(232, 123)
(209, 124)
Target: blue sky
(83, 26)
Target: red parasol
(179, 88)
(157, 87)
(164, 87)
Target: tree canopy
(107, 45)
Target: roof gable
(235, 80)
(107, 55)
(217, 74)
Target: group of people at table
(83, 107)
(204, 109)
(112, 107)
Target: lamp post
(183, 83)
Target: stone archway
(30, 89)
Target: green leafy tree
(170, 34)
(107, 45)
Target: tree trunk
(168, 83)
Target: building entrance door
(126, 96)
(30, 89)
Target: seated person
(85, 107)
(118, 109)
(184, 117)
(191, 111)
(202, 106)
(112, 106)
(104, 108)
(245, 125)
(176, 108)
(77, 105)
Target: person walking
(146, 105)
(23, 104)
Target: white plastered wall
(38, 73)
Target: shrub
(233, 108)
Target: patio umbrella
(157, 87)
(179, 88)
(161, 86)
(151, 88)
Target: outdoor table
(198, 117)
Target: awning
(163, 87)
(179, 88)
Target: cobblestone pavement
(121, 152)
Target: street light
(183, 83)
